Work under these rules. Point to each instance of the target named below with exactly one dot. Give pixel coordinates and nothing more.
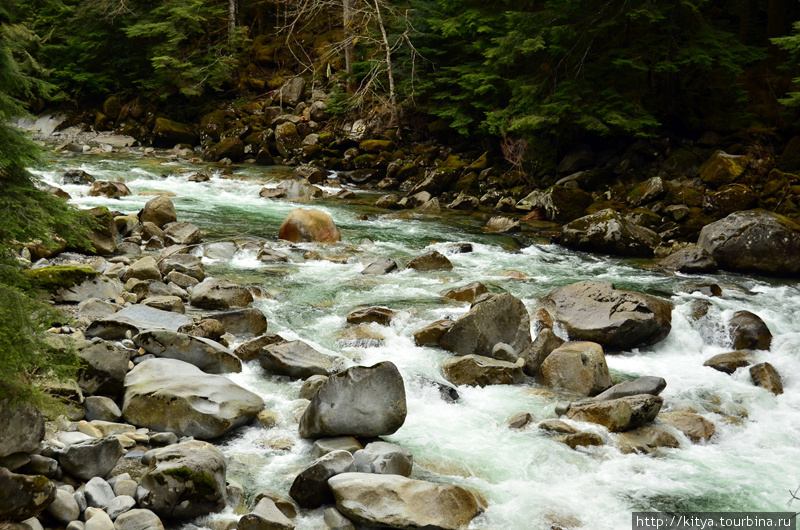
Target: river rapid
(529, 480)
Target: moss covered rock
(722, 168)
(232, 148)
(559, 204)
(168, 133)
(61, 276)
(611, 233)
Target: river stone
(64, 508)
(310, 487)
(431, 334)
(120, 505)
(99, 520)
(91, 458)
(557, 426)
(398, 502)
(384, 458)
(95, 307)
(431, 261)
(546, 341)
(368, 401)
(127, 486)
(692, 260)
(143, 269)
(40, 465)
(265, 515)
(187, 264)
(610, 233)
(182, 234)
(558, 203)
(296, 189)
(247, 351)
(578, 367)
(103, 369)
(297, 359)
(615, 318)
(171, 395)
(215, 293)
(242, 322)
(334, 520)
(170, 303)
(286, 506)
(467, 293)
(104, 237)
(766, 376)
(380, 267)
(98, 493)
(209, 356)
(477, 370)
(749, 332)
(379, 315)
(580, 439)
(754, 241)
(221, 250)
(519, 420)
(501, 225)
(618, 415)
(134, 319)
(729, 362)
(309, 226)
(138, 519)
(184, 281)
(184, 480)
(646, 440)
(159, 211)
(641, 385)
(501, 318)
(22, 427)
(694, 426)
(323, 446)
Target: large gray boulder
(310, 487)
(104, 368)
(615, 318)
(265, 515)
(211, 357)
(171, 395)
(214, 293)
(187, 264)
(477, 370)
(22, 427)
(500, 318)
(618, 415)
(91, 458)
(23, 496)
(360, 401)
(297, 359)
(578, 367)
(398, 502)
(609, 232)
(247, 321)
(754, 241)
(134, 319)
(184, 480)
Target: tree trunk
(233, 13)
(347, 18)
(389, 72)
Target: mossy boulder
(722, 168)
(731, 198)
(112, 107)
(376, 146)
(558, 203)
(61, 276)
(610, 233)
(685, 195)
(168, 133)
(212, 125)
(232, 148)
(23, 496)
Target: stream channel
(529, 480)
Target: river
(529, 480)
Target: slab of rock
(641, 385)
(615, 318)
(477, 370)
(379, 315)
(22, 427)
(214, 293)
(184, 480)
(578, 367)
(159, 211)
(618, 415)
(384, 458)
(546, 341)
(729, 362)
(134, 319)
(749, 332)
(360, 401)
(138, 519)
(187, 264)
(467, 293)
(691, 260)
(431, 261)
(24, 496)
(242, 322)
(171, 395)
(580, 439)
(431, 334)
(297, 359)
(766, 376)
(211, 357)
(247, 351)
(182, 234)
(265, 515)
(398, 502)
(309, 226)
(91, 458)
(310, 488)
(694, 426)
(609, 232)
(380, 267)
(501, 318)
(647, 440)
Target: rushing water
(528, 479)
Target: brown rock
(578, 367)
(380, 315)
(431, 334)
(477, 370)
(467, 293)
(694, 426)
(618, 415)
(585, 439)
(749, 332)
(647, 439)
(766, 376)
(430, 261)
(309, 226)
(729, 362)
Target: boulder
(138, 519)
(159, 211)
(729, 362)
(310, 488)
(297, 359)
(609, 232)
(641, 385)
(232, 148)
(694, 426)
(143, 269)
(501, 225)
(615, 318)
(287, 139)
(221, 250)
(214, 293)
(648, 191)
(98, 493)
(766, 376)
(184, 480)
(182, 234)
(293, 189)
(430, 261)
(477, 370)
(467, 293)
(97, 519)
(398, 502)
(291, 93)
(323, 446)
(578, 367)
(754, 241)
(618, 415)
(187, 264)
(112, 190)
(557, 426)
(380, 267)
(265, 515)
(431, 334)
(501, 318)
(243, 322)
(690, 260)
(22, 426)
(647, 440)
(24, 496)
(64, 508)
(546, 341)
(104, 368)
(580, 439)
(360, 401)
(120, 505)
(104, 237)
(171, 395)
(379, 315)
(309, 226)
(134, 319)
(211, 357)
(558, 204)
(384, 458)
(168, 133)
(94, 307)
(165, 303)
(749, 332)
(77, 176)
(247, 351)
(336, 521)
(101, 408)
(91, 458)
(722, 168)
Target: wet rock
(40, 465)
(609, 232)
(184, 480)
(22, 427)
(111, 190)
(502, 318)
(360, 401)
(248, 351)
(139, 519)
(578, 367)
(766, 376)
(232, 148)
(182, 234)
(580, 439)
(243, 322)
(101, 408)
(77, 176)
(615, 318)
(268, 255)
(168, 133)
(399, 502)
(134, 319)
(557, 426)
(694, 426)
(296, 359)
(559, 204)
(159, 211)
(309, 226)
(618, 415)
(467, 293)
(380, 267)
(648, 191)
(431, 334)
(24, 496)
(749, 332)
(754, 241)
(384, 458)
(379, 315)
(216, 293)
(690, 260)
(477, 370)
(647, 440)
(706, 289)
(265, 515)
(729, 362)
(520, 421)
(64, 508)
(430, 261)
(501, 225)
(641, 385)
(336, 521)
(323, 446)
(91, 458)
(310, 488)
(209, 356)
(221, 250)
(546, 341)
(185, 264)
(104, 368)
(171, 395)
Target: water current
(529, 480)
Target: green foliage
(791, 44)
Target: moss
(204, 483)
(723, 168)
(364, 161)
(453, 162)
(61, 276)
(376, 146)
